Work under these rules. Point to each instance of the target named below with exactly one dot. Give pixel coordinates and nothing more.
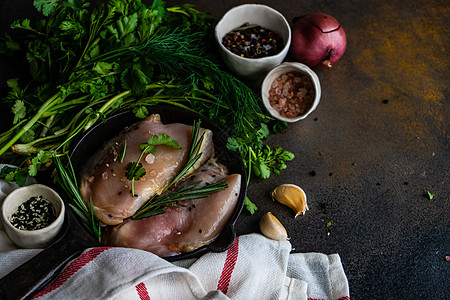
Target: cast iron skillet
(32, 276)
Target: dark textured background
(377, 142)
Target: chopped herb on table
(88, 60)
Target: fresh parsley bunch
(90, 59)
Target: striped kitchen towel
(254, 267)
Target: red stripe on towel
(71, 269)
(141, 289)
(342, 298)
(228, 267)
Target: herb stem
(47, 105)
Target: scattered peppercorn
(253, 41)
(36, 213)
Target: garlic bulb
(272, 228)
(292, 196)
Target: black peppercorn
(35, 213)
(253, 41)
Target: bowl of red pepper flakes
(33, 216)
(252, 39)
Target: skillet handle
(30, 277)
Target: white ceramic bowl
(40, 238)
(283, 69)
(264, 16)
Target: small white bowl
(40, 238)
(283, 69)
(264, 16)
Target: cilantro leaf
(19, 111)
(163, 139)
(20, 177)
(47, 7)
(5, 173)
(261, 169)
(13, 83)
(250, 206)
(37, 162)
(9, 45)
(263, 132)
(140, 112)
(268, 160)
(28, 136)
(233, 144)
(135, 79)
(134, 171)
(24, 24)
(14, 174)
(280, 126)
(102, 68)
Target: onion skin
(317, 39)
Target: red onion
(317, 39)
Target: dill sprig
(68, 182)
(180, 54)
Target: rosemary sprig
(193, 153)
(68, 182)
(155, 205)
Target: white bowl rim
(282, 52)
(291, 65)
(55, 223)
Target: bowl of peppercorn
(252, 39)
(291, 91)
(33, 216)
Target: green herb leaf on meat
(161, 139)
(134, 171)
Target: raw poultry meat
(186, 227)
(103, 176)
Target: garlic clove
(292, 196)
(272, 228)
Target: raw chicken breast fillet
(192, 224)
(103, 176)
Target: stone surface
(378, 141)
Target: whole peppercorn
(253, 41)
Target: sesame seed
(36, 213)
